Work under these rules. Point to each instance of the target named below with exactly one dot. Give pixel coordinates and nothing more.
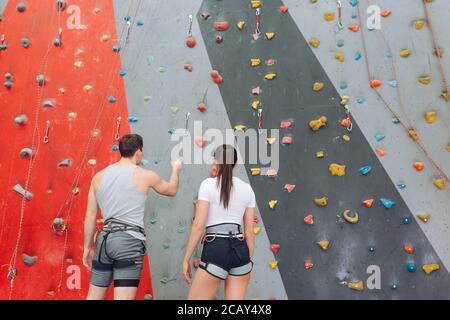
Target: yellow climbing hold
(328, 16)
(345, 100)
(273, 264)
(350, 218)
(255, 62)
(256, 230)
(430, 117)
(270, 35)
(424, 217)
(337, 170)
(321, 202)
(405, 53)
(346, 138)
(240, 25)
(315, 125)
(256, 4)
(324, 244)
(425, 80)
(256, 104)
(315, 43)
(445, 95)
(419, 24)
(320, 154)
(430, 267)
(255, 171)
(270, 76)
(358, 286)
(92, 162)
(339, 56)
(271, 140)
(272, 204)
(240, 127)
(439, 183)
(318, 86)
(413, 134)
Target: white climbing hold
(20, 190)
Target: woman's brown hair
(226, 157)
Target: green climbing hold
(172, 130)
(152, 221)
(174, 109)
(147, 98)
(181, 229)
(164, 280)
(150, 60)
(162, 69)
(166, 245)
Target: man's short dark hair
(129, 144)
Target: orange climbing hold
(380, 152)
(385, 13)
(191, 42)
(308, 265)
(376, 84)
(367, 203)
(221, 25)
(408, 249)
(289, 187)
(354, 28)
(418, 166)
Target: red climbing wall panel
(81, 75)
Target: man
(120, 191)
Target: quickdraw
(259, 121)
(47, 129)
(12, 273)
(117, 135)
(347, 122)
(258, 24)
(339, 25)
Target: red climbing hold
(286, 140)
(275, 248)
(284, 9)
(201, 107)
(308, 265)
(408, 249)
(346, 123)
(219, 39)
(309, 219)
(221, 25)
(354, 28)
(289, 187)
(191, 42)
(285, 124)
(188, 67)
(368, 203)
(376, 83)
(217, 78)
(205, 15)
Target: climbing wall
(60, 101)
(342, 200)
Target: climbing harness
(47, 129)
(111, 226)
(339, 25)
(260, 121)
(258, 23)
(225, 230)
(117, 135)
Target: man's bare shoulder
(146, 173)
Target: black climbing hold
(61, 5)
(9, 76)
(40, 79)
(57, 42)
(57, 222)
(116, 48)
(21, 7)
(29, 260)
(25, 43)
(20, 120)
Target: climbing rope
(408, 127)
(34, 146)
(436, 47)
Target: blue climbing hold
(392, 83)
(411, 267)
(394, 286)
(378, 137)
(127, 18)
(116, 48)
(115, 147)
(354, 15)
(360, 100)
(139, 23)
(358, 56)
(388, 204)
(401, 186)
(172, 130)
(365, 170)
(405, 220)
(340, 43)
(133, 119)
(111, 99)
(123, 73)
(353, 3)
(343, 85)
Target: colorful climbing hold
(318, 86)
(380, 152)
(408, 249)
(315, 125)
(430, 267)
(365, 170)
(419, 166)
(357, 286)
(405, 53)
(430, 117)
(388, 204)
(221, 25)
(256, 230)
(324, 244)
(424, 217)
(411, 267)
(378, 137)
(289, 187)
(309, 219)
(240, 25)
(337, 170)
(270, 35)
(328, 16)
(314, 42)
(272, 204)
(339, 56)
(350, 218)
(273, 264)
(368, 203)
(376, 84)
(321, 202)
(285, 124)
(275, 248)
(439, 183)
(308, 265)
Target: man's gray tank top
(119, 198)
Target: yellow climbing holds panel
(320, 154)
(419, 24)
(240, 25)
(256, 104)
(425, 80)
(315, 125)
(337, 170)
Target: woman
(226, 207)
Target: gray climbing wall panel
(154, 62)
(290, 95)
